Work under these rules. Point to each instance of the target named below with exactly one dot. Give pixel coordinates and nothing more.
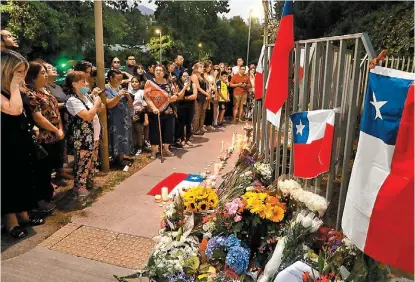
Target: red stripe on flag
(259, 85)
(312, 159)
(170, 182)
(390, 238)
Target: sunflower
(191, 206)
(213, 200)
(203, 206)
(278, 214)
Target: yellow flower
(269, 211)
(213, 200)
(191, 206)
(203, 206)
(278, 214)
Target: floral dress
(120, 134)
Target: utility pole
(99, 48)
(249, 37)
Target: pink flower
(233, 206)
(238, 218)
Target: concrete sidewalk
(126, 210)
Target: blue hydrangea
(215, 242)
(180, 277)
(238, 259)
(232, 241)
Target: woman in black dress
(18, 149)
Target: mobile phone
(187, 80)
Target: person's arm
(194, 95)
(14, 106)
(195, 80)
(89, 115)
(42, 122)
(145, 119)
(151, 105)
(180, 96)
(233, 84)
(112, 102)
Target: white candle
(165, 194)
(216, 168)
(221, 143)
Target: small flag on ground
(313, 138)
(259, 75)
(277, 85)
(176, 181)
(378, 215)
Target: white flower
(250, 188)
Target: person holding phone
(85, 129)
(120, 109)
(186, 107)
(241, 83)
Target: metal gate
(334, 76)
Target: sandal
(18, 232)
(33, 221)
(153, 155)
(168, 154)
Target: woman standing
(201, 100)
(158, 95)
(186, 108)
(211, 119)
(45, 112)
(17, 146)
(120, 108)
(85, 129)
(140, 117)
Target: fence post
(351, 119)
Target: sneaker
(188, 143)
(147, 144)
(82, 192)
(139, 151)
(177, 145)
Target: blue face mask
(83, 90)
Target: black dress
(18, 159)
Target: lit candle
(165, 194)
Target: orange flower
(306, 276)
(203, 245)
(272, 200)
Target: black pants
(167, 123)
(186, 113)
(44, 188)
(209, 115)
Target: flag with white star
(380, 197)
(313, 138)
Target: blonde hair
(10, 61)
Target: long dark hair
(82, 66)
(32, 73)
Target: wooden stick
(161, 140)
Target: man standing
(241, 83)
(179, 65)
(131, 66)
(8, 41)
(239, 63)
(149, 75)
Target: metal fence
(335, 71)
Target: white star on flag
(194, 178)
(300, 128)
(377, 106)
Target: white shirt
(139, 101)
(235, 70)
(74, 106)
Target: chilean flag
(259, 75)
(277, 85)
(175, 182)
(313, 138)
(379, 210)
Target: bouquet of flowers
(264, 172)
(230, 250)
(266, 206)
(200, 199)
(313, 202)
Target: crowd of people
(153, 109)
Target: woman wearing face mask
(45, 112)
(140, 117)
(18, 151)
(85, 129)
(120, 108)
